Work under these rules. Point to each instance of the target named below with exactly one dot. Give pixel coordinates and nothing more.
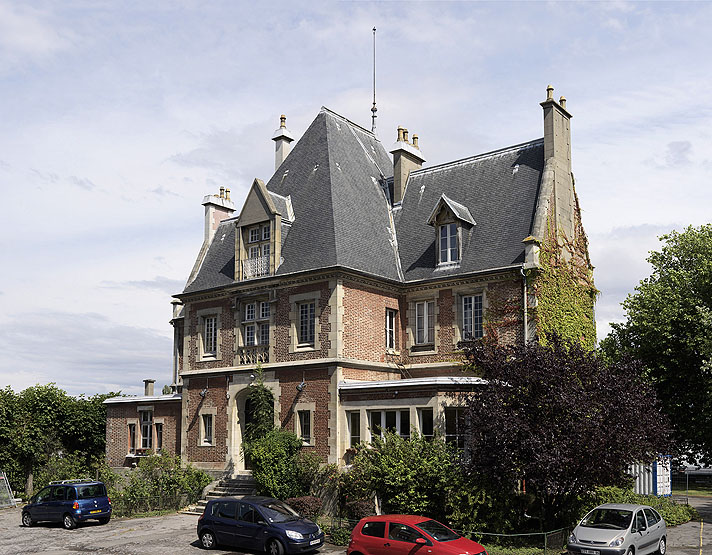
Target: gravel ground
(173, 534)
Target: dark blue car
(69, 502)
(260, 523)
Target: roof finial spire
(373, 108)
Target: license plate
(590, 552)
(97, 511)
(314, 542)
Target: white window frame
(209, 335)
(158, 435)
(398, 423)
(305, 425)
(448, 244)
(473, 316)
(265, 249)
(306, 324)
(425, 322)
(264, 310)
(250, 312)
(421, 412)
(263, 336)
(254, 235)
(254, 252)
(207, 429)
(250, 335)
(146, 422)
(391, 319)
(266, 233)
(354, 427)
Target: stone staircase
(238, 485)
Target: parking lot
(174, 534)
(171, 534)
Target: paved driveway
(162, 535)
(693, 538)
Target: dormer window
(254, 234)
(449, 245)
(451, 221)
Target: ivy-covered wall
(564, 285)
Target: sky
(117, 118)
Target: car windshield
(276, 511)
(89, 492)
(438, 531)
(612, 519)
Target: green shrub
(273, 467)
(337, 535)
(158, 483)
(674, 513)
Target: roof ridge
(477, 157)
(324, 109)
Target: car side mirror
(422, 541)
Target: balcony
(255, 267)
(253, 355)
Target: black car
(262, 523)
(69, 502)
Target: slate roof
(500, 191)
(334, 177)
(338, 179)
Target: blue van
(69, 502)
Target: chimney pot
(148, 387)
(282, 137)
(550, 93)
(415, 141)
(400, 134)
(227, 194)
(222, 192)
(405, 135)
(562, 102)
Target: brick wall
(226, 331)
(117, 435)
(317, 392)
(365, 321)
(214, 455)
(283, 326)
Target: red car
(396, 534)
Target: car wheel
(104, 520)
(27, 520)
(662, 546)
(630, 551)
(275, 548)
(68, 522)
(207, 539)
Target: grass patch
(501, 550)
(697, 491)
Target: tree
(260, 403)
(668, 328)
(559, 421)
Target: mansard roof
(499, 189)
(334, 194)
(335, 176)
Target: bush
(338, 535)
(359, 508)
(158, 483)
(308, 505)
(674, 513)
(273, 467)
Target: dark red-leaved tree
(561, 419)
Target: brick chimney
(282, 139)
(217, 208)
(557, 157)
(148, 387)
(406, 158)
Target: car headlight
(318, 530)
(292, 535)
(572, 538)
(617, 542)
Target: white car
(619, 529)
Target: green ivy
(565, 290)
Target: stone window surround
(137, 431)
(201, 314)
(396, 329)
(311, 407)
(294, 302)
(201, 436)
(443, 218)
(467, 291)
(411, 322)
